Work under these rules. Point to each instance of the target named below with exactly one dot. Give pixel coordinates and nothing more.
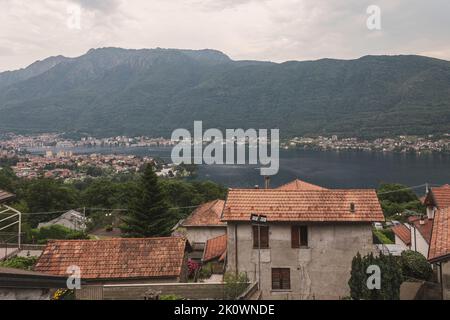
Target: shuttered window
(299, 236)
(264, 236)
(281, 279)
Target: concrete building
(306, 249)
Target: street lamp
(258, 220)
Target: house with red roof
(415, 234)
(438, 203)
(305, 247)
(119, 260)
(204, 223)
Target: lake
(345, 169)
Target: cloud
(106, 6)
(276, 30)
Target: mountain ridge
(110, 91)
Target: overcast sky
(276, 30)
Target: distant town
(60, 162)
(400, 144)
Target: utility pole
(259, 220)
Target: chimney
(422, 220)
(256, 186)
(267, 181)
(352, 207)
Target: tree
(391, 278)
(415, 266)
(149, 215)
(396, 198)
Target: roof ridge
(117, 239)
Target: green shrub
(235, 284)
(55, 232)
(24, 263)
(381, 238)
(415, 265)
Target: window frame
(298, 240)
(264, 245)
(284, 279)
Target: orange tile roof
(300, 185)
(440, 238)
(115, 258)
(298, 205)
(5, 196)
(441, 196)
(403, 233)
(215, 248)
(208, 214)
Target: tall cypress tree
(149, 211)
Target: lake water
(330, 169)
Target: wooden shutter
(303, 236)
(295, 237)
(285, 279)
(276, 279)
(255, 237)
(264, 237)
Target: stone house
(308, 243)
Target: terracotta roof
(300, 185)
(403, 233)
(208, 214)
(295, 205)
(5, 196)
(441, 196)
(425, 228)
(115, 258)
(215, 248)
(440, 239)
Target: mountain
(112, 91)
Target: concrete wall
(25, 294)
(192, 291)
(202, 234)
(446, 279)
(318, 272)
(422, 244)
(401, 243)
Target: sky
(272, 30)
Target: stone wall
(191, 291)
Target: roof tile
(115, 258)
(298, 205)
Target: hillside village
(295, 241)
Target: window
(299, 236)
(264, 236)
(281, 279)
